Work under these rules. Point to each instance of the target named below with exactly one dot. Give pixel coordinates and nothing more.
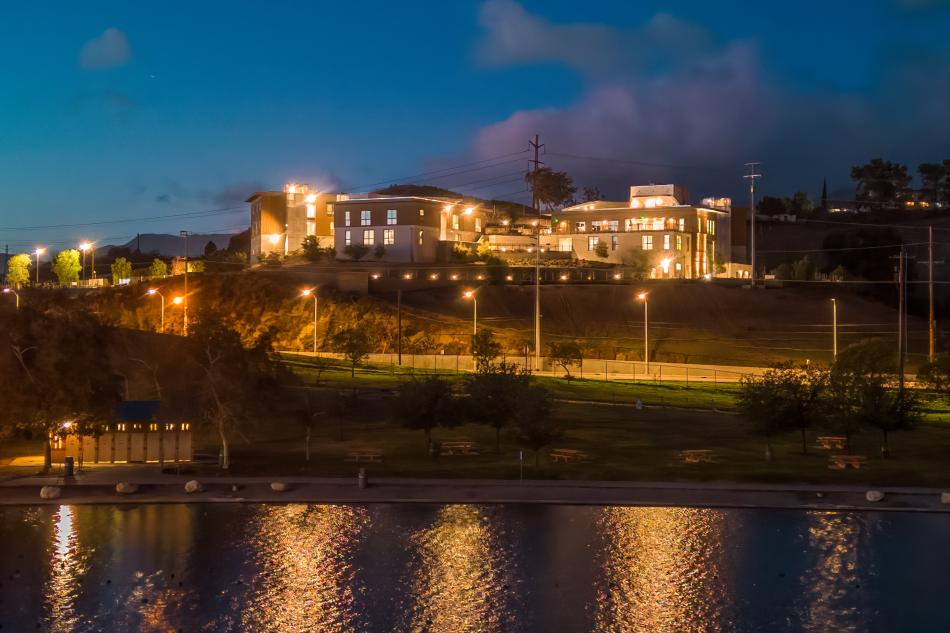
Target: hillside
(689, 321)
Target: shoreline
(324, 490)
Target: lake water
(448, 568)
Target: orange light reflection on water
(662, 570)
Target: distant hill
(174, 245)
(419, 190)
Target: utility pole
(184, 234)
(901, 307)
(932, 350)
(399, 326)
(834, 328)
(537, 145)
(751, 176)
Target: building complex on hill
(656, 230)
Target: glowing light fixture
(178, 301)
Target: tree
(868, 391)
(66, 266)
(799, 203)
(234, 384)
(534, 428)
(55, 370)
(426, 404)
(354, 344)
(18, 269)
(880, 184)
(210, 248)
(592, 194)
(356, 251)
(553, 189)
(121, 269)
(784, 398)
(601, 250)
(379, 251)
(158, 269)
(565, 354)
(485, 350)
(311, 248)
(494, 396)
(936, 375)
(770, 205)
(196, 266)
(637, 262)
(935, 182)
(240, 243)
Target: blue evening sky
(186, 106)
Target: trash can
(69, 467)
(361, 479)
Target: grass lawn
(623, 444)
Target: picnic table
(697, 456)
(841, 462)
(831, 442)
(366, 455)
(458, 447)
(568, 455)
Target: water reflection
(305, 579)
(833, 575)
(662, 570)
(458, 581)
(65, 574)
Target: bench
(831, 442)
(364, 456)
(842, 462)
(461, 447)
(697, 456)
(568, 455)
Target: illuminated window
(121, 427)
(346, 218)
(611, 225)
(679, 242)
(153, 427)
(366, 217)
(389, 236)
(57, 443)
(478, 225)
(391, 216)
(185, 426)
(682, 224)
(614, 242)
(347, 238)
(647, 242)
(422, 212)
(455, 222)
(580, 227)
(331, 225)
(699, 225)
(169, 426)
(311, 211)
(369, 237)
(679, 266)
(311, 228)
(630, 224)
(420, 237)
(666, 242)
(711, 227)
(657, 224)
(592, 242)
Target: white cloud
(109, 50)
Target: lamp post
(179, 300)
(152, 292)
(39, 251)
(834, 328)
(308, 292)
(646, 329)
(16, 294)
(470, 294)
(85, 246)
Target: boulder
(194, 485)
(50, 492)
(126, 488)
(874, 495)
(945, 497)
(280, 486)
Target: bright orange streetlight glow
(85, 246)
(178, 301)
(306, 292)
(468, 294)
(642, 296)
(152, 291)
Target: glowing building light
(178, 300)
(274, 239)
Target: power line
(637, 162)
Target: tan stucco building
(280, 220)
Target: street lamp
(179, 300)
(16, 294)
(834, 327)
(646, 330)
(85, 246)
(39, 251)
(470, 294)
(310, 292)
(152, 292)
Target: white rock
(874, 495)
(50, 492)
(126, 488)
(194, 485)
(279, 486)
(945, 497)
